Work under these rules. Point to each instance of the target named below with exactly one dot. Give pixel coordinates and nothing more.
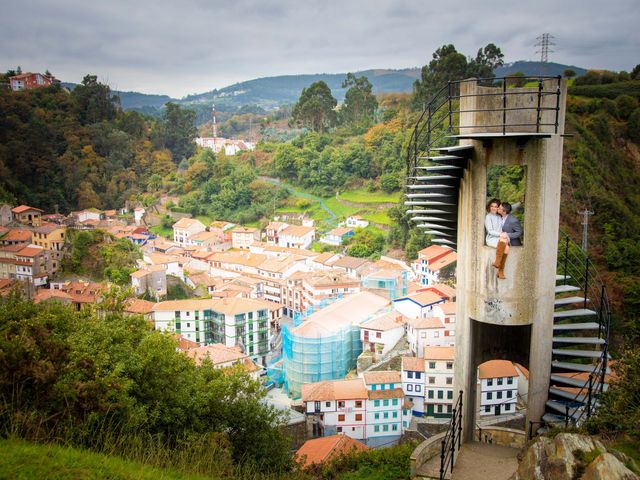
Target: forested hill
(601, 173)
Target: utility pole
(544, 41)
(585, 228)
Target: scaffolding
(387, 283)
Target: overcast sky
(192, 46)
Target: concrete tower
(512, 318)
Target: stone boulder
(570, 456)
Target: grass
(159, 231)
(379, 216)
(340, 209)
(362, 195)
(24, 460)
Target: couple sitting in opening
(503, 230)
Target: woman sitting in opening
(493, 223)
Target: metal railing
(576, 267)
(452, 438)
(440, 118)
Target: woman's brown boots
(501, 259)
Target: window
(373, 387)
(499, 395)
(423, 335)
(395, 414)
(339, 429)
(382, 387)
(487, 409)
(188, 325)
(385, 428)
(327, 404)
(449, 365)
(394, 427)
(376, 403)
(490, 382)
(500, 381)
(418, 388)
(449, 380)
(436, 334)
(358, 403)
(392, 386)
(430, 393)
(409, 374)
(376, 428)
(509, 393)
(341, 404)
(489, 395)
(510, 381)
(378, 335)
(440, 393)
(432, 380)
(440, 409)
(449, 409)
(394, 401)
(376, 416)
(432, 365)
(418, 375)
(450, 395)
(341, 417)
(385, 415)
(358, 417)
(507, 407)
(409, 388)
(385, 402)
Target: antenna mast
(215, 131)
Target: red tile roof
(319, 450)
(497, 369)
(26, 208)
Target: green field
(361, 195)
(380, 217)
(23, 460)
(159, 231)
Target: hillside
(536, 68)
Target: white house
(413, 383)
(431, 261)
(185, 228)
(152, 279)
(439, 370)
(426, 332)
(89, 214)
(447, 313)
(138, 214)
(243, 237)
(498, 386)
(418, 304)
(382, 333)
(356, 221)
(297, 236)
(231, 321)
(376, 416)
(337, 236)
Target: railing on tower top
(440, 118)
(575, 266)
(452, 440)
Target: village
(349, 346)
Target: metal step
(581, 397)
(577, 382)
(582, 340)
(431, 211)
(449, 170)
(563, 327)
(568, 301)
(456, 148)
(562, 277)
(576, 367)
(434, 219)
(578, 312)
(430, 203)
(566, 288)
(435, 188)
(578, 353)
(453, 160)
(558, 406)
(438, 232)
(443, 241)
(553, 419)
(438, 179)
(430, 195)
(436, 225)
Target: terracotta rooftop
(434, 251)
(442, 262)
(319, 450)
(439, 353)
(496, 369)
(136, 305)
(47, 228)
(17, 235)
(324, 257)
(188, 223)
(414, 364)
(217, 353)
(297, 231)
(448, 308)
(350, 262)
(228, 306)
(334, 390)
(388, 376)
(339, 231)
(423, 298)
(383, 394)
(26, 208)
(244, 230)
(423, 323)
(384, 322)
(30, 251)
(443, 289)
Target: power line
(544, 41)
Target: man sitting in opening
(511, 236)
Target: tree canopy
(359, 102)
(315, 108)
(176, 131)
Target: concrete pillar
(500, 318)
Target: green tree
(359, 102)
(315, 108)
(366, 243)
(569, 73)
(94, 102)
(176, 132)
(447, 64)
(487, 60)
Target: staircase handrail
(591, 284)
(452, 438)
(441, 103)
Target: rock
(607, 467)
(563, 458)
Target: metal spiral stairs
(435, 167)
